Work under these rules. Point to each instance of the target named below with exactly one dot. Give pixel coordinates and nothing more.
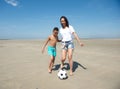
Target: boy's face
(55, 33)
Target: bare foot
(71, 73)
(50, 71)
(61, 66)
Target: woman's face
(63, 22)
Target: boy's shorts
(67, 45)
(52, 51)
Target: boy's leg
(53, 61)
(54, 55)
(70, 52)
(64, 53)
(52, 58)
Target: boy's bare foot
(50, 71)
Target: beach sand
(96, 65)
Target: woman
(67, 31)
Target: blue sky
(35, 19)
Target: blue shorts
(67, 44)
(52, 51)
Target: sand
(96, 65)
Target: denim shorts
(67, 45)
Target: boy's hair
(55, 29)
(66, 20)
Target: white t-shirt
(66, 33)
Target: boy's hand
(42, 51)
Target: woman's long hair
(66, 20)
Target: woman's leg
(70, 52)
(64, 53)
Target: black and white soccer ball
(62, 74)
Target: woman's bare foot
(61, 66)
(71, 73)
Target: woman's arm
(43, 48)
(78, 39)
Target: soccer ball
(62, 74)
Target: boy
(52, 39)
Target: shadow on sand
(67, 67)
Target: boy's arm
(77, 38)
(58, 40)
(43, 48)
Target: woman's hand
(81, 44)
(76, 36)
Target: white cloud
(12, 2)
